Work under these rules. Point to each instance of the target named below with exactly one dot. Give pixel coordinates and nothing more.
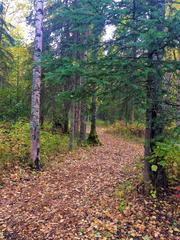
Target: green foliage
(15, 143)
(153, 194)
(122, 206)
(168, 153)
(10, 108)
(154, 168)
(15, 93)
(124, 191)
(101, 123)
(5, 41)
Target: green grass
(15, 143)
(130, 131)
(99, 123)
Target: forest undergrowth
(15, 146)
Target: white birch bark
(36, 86)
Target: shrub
(168, 152)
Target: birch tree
(36, 86)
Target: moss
(93, 140)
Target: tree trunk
(76, 118)
(154, 128)
(82, 134)
(93, 137)
(155, 120)
(36, 86)
(133, 113)
(147, 149)
(94, 110)
(66, 117)
(71, 142)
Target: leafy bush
(15, 143)
(168, 152)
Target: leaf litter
(75, 199)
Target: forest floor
(80, 196)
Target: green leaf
(154, 168)
(146, 238)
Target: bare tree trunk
(66, 117)
(36, 86)
(93, 137)
(83, 106)
(94, 111)
(76, 118)
(82, 134)
(147, 149)
(72, 133)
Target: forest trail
(66, 201)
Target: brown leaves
(75, 199)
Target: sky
(16, 12)
(109, 32)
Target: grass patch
(15, 143)
(130, 131)
(99, 123)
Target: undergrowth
(168, 152)
(131, 186)
(131, 131)
(15, 143)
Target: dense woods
(71, 67)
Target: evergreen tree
(5, 41)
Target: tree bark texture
(93, 137)
(76, 118)
(83, 108)
(72, 128)
(36, 86)
(66, 117)
(82, 134)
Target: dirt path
(65, 201)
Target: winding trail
(64, 201)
